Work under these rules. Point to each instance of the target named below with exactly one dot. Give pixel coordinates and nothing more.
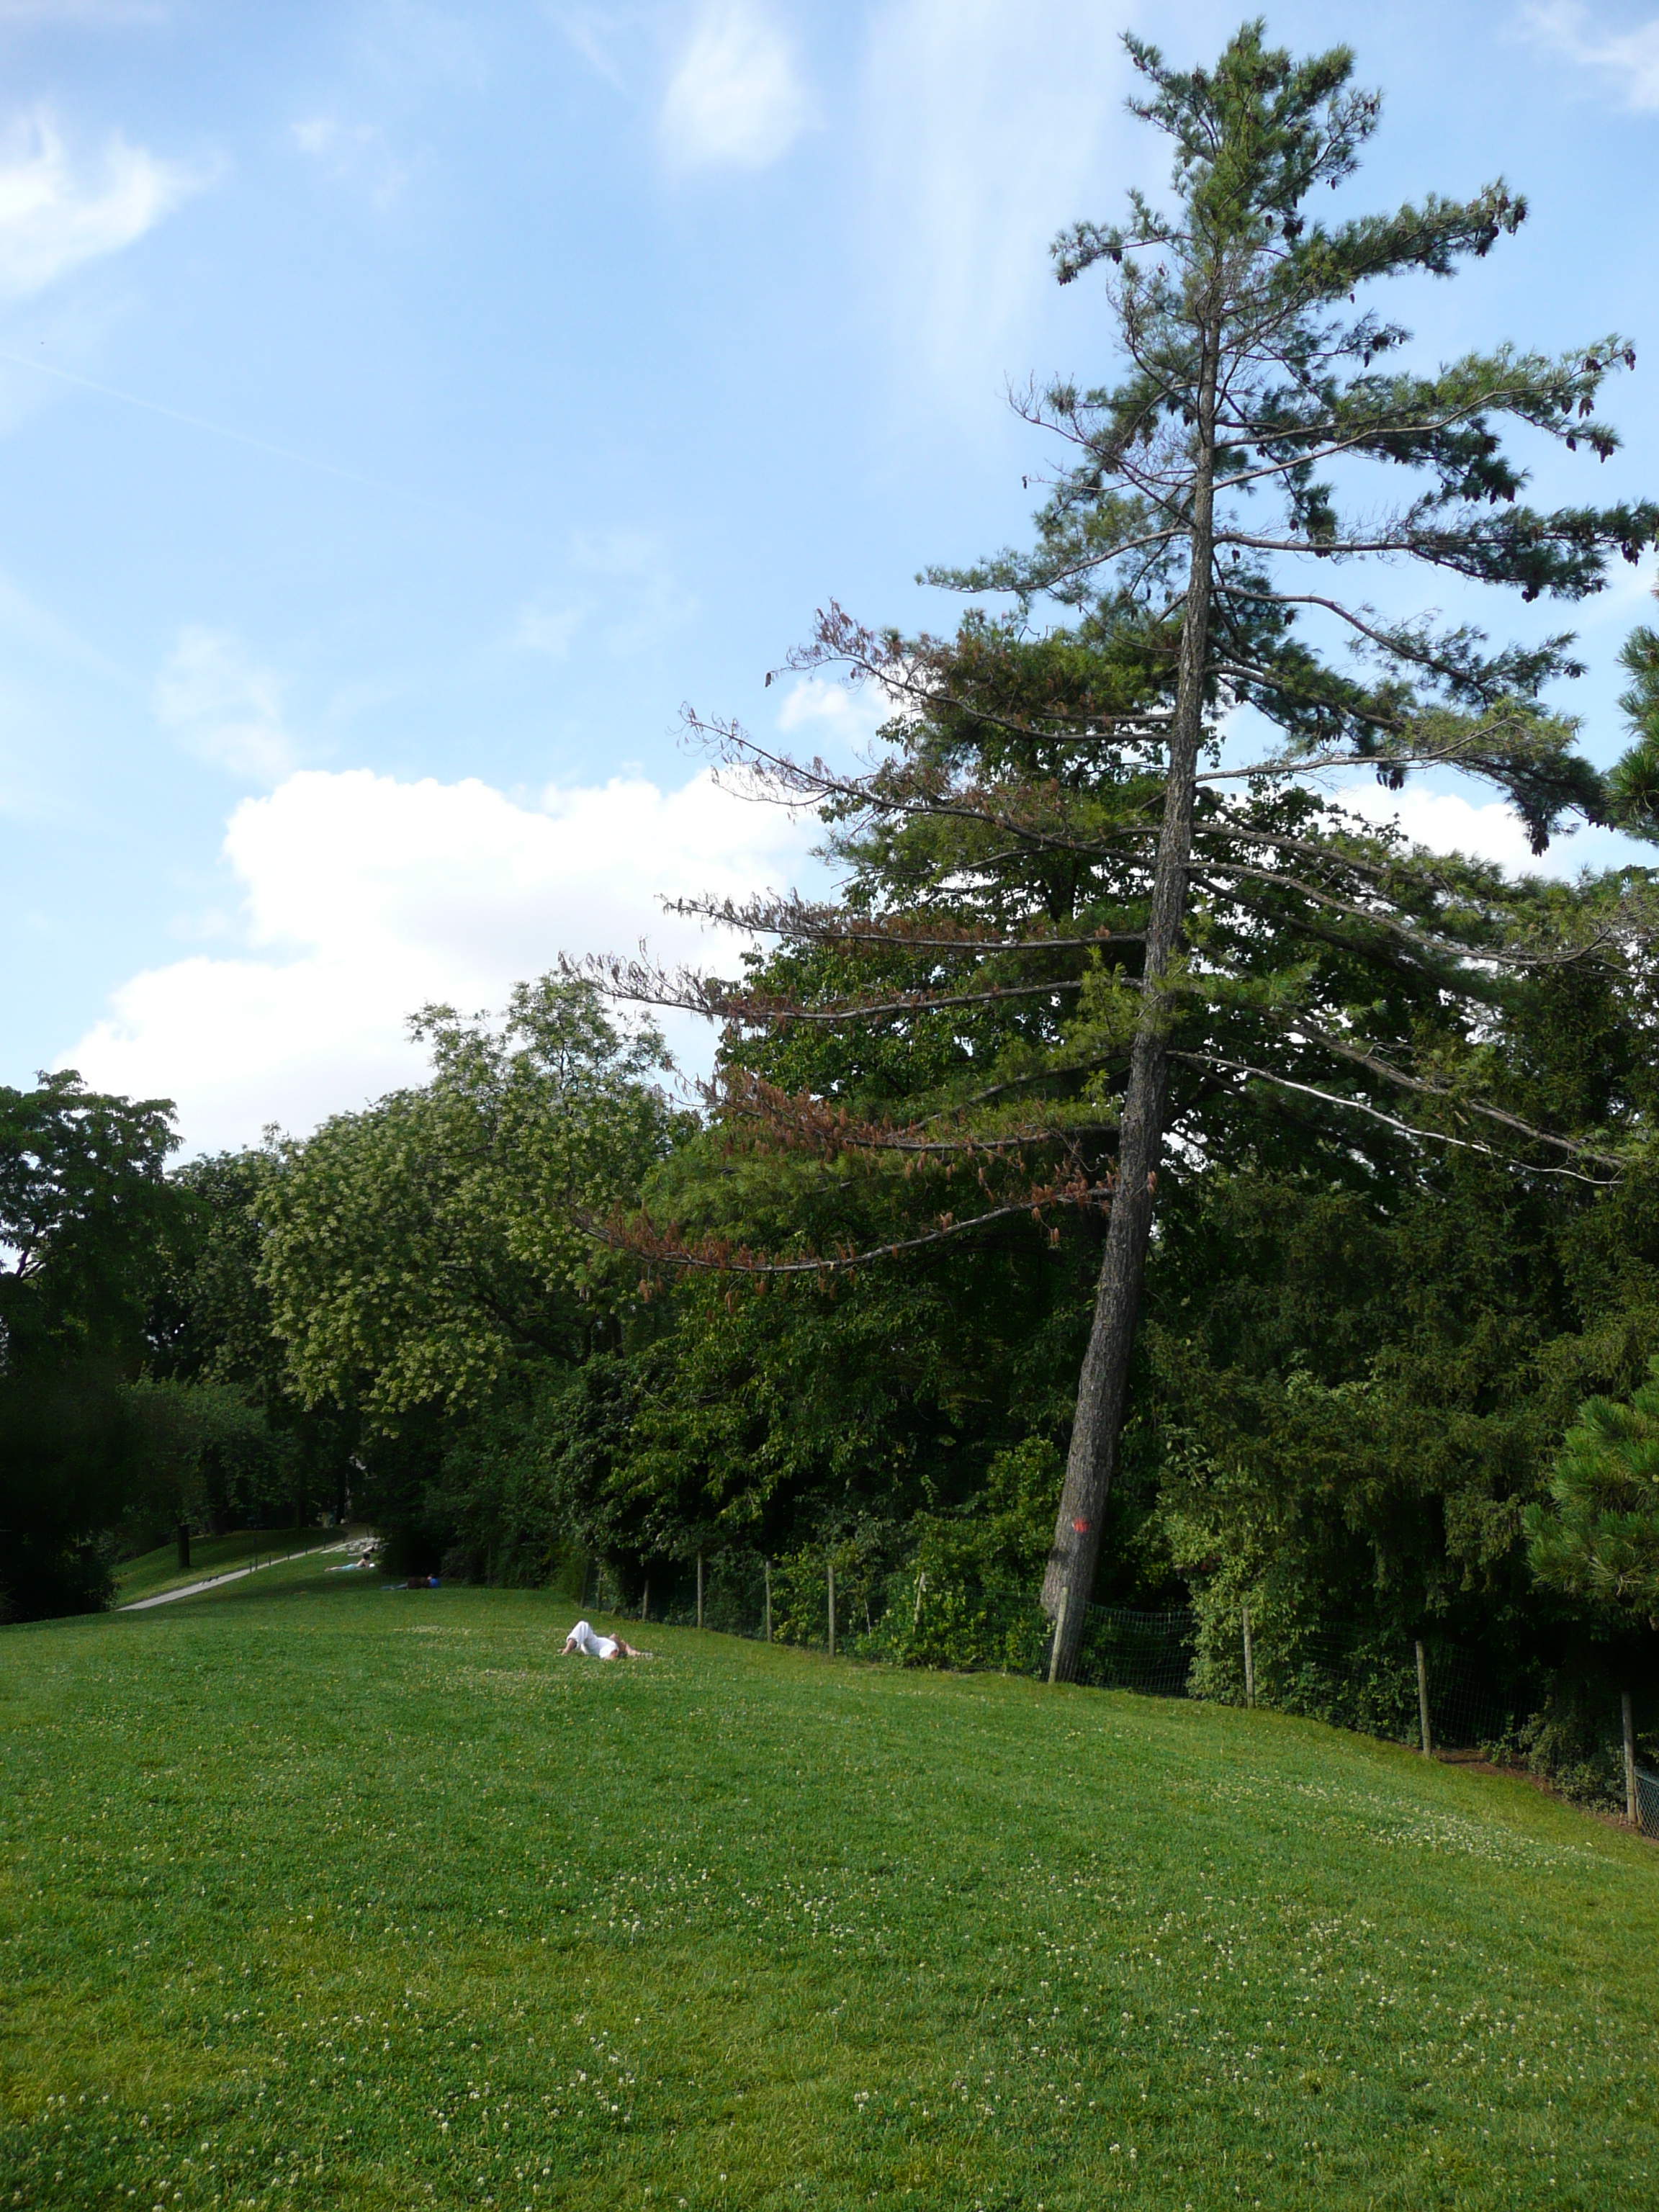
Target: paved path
(235, 1574)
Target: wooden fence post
(1249, 1663)
(645, 1602)
(1423, 1701)
(700, 1589)
(1631, 1806)
(1060, 1631)
(830, 1566)
(766, 1569)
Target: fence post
(1630, 1763)
(1249, 1663)
(921, 1584)
(830, 1567)
(1060, 1631)
(766, 1569)
(645, 1602)
(1423, 1701)
(700, 1589)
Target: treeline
(1141, 1180)
(1358, 1357)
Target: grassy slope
(320, 1896)
(154, 1572)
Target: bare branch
(801, 1119)
(643, 983)
(1451, 946)
(713, 1257)
(1414, 1083)
(1376, 1113)
(796, 919)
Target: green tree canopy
(1597, 1539)
(87, 1215)
(415, 1250)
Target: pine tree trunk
(1103, 1381)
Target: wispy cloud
(119, 13)
(56, 214)
(357, 154)
(977, 151)
(223, 707)
(1629, 60)
(415, 47)
(594, 33)
(548, 629)
(736, 98)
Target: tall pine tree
(1123, 933)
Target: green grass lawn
(316, 1895)
(153, 1572)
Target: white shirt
(595, 1647)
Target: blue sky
(403, 409)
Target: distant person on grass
(582, 1639)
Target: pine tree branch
(814, 782)
(800, 1118)
(714, 1257)
(640, 983)
(1401, 644)
(1468, 755)
(754, 1011)
(1376, 1113)
(796, 922)
(1416, 1084)
(1246, 836)
(1450, 947)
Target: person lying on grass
(581, 1638)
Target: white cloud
(851, 715)
(735, 96)
(223, 707)
(1486, 829)
(1446, 822)
(356, 153)
(364, 897)
(1629, 59)
(53, 215)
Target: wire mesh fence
(1150, 1654)
(1360, 1677)
(1376, 1679)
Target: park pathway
(235, 1574)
